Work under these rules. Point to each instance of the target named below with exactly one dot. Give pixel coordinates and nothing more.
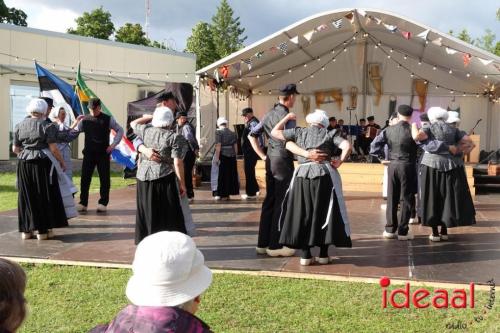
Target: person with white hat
(314, 211)
(169, 277)
(227, 182)
(40, 206)
(160, 185)
(445, 194)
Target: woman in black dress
(160, 185)
(225, 156)
(314, 212)
(40, 206)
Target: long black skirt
(446, 198)
(228, 182)
(158, 207)
(39, 204)
(305, 212)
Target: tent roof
(307, 55)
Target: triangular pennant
(248, 62)
(377, 20)
(259, 54)
(350, 17)
(321, 27)
(485, 62)
(224, 70)
(449, 50)
(283, 47)
(308, 35)
(361, 12)
(337, 23)
(391, 28)
(423, 34)
(406, 34)
(295, 40)
(466, 58)
(438, 41)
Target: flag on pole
(337, 23)
(59, 90)
(124, 153)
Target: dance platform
(227, 234)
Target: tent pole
(365, 77)
(489, 114)
(197, 91)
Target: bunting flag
(283, 47)
(224, 70)
(321, 27)
(295, 40)
(391, 28)
(378, 20)
(466, 58)
(259, 55)
(308, 35)
(449, 50)
(406, 34)
(237, 67)
(350, 17)
(361, 12)
(485, 62)
(59, 90)
(423, 34)
(337, 23)
(124, 153)
(248, 62)
(438, 41)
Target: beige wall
(50, 48)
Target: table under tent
(354, 63)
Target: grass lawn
(8, 191)
(75, 299)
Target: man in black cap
(96, 152)
(401, 173)
(279, 172)
(187, 130)
(250, 157)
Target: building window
(20, 95)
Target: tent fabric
(270, 70)
(337, 56)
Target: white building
(117, 72)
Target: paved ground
(227, 234)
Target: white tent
(376, 55)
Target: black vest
(402, 147)
(96, 131)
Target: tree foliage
(201, 43)
(95, 24)
(227, 32)
(215, 40)
(12, 15)
(132, 34)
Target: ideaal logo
(439, 299)
(423, 298)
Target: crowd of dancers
(304, 206)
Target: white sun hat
(434, 113)
(168, 270)
(318, 117)
(453, 117)
(221, 121)
(162, 117)
(37, 105)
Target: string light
(412, 75)
(333, 51)
(345, 50)
(272, 74)
(437, 86)
(450, 71)
(319, 59)
(148, 75)
(391, 50)
(289, 70)
(419, 62)
(452, 92)
(185, 75)
(323, 68)
(388, 56)
(239, 79)
(305, 65)
(485, 76)
(405, 57)
(468, 74)
(312, 76)
(434, 68)
(258, 76)
(54, 66)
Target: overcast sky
(172, 20)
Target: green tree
(487, 41)
(157, 44)
(227, 33)
(132, 34)
(95, 24)
(201, 43)
(464, 35)
(12, 15)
